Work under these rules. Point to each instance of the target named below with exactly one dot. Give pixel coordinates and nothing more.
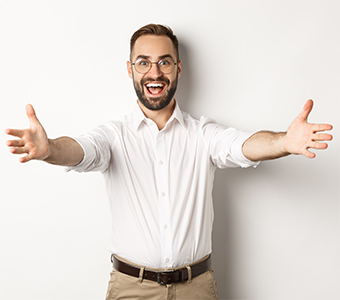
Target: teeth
(154, 85)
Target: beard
(155, 103)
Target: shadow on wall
(226, 255)
(185, 84)
(264, 193)
(223, 255)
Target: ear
(179, 68)
(129, 68)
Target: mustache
(160, 78)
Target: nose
(154, 71)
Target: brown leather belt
(164, 277)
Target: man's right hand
(32, 141)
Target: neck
(160, 117)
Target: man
(158, 164)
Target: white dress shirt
(159, 183)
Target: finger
(15, 143)
(306, 110)
(15, 132)
(25, 159)
(32, 117)
(308, 154)
(317, 145)
(322, 137)
(322, 127)
(18, 150)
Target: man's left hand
(302, 136)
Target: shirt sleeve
(96, 146)
(225, 145)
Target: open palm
(32, 141)
(301, 135)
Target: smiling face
(155, 90)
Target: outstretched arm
(299, 138)
(35, 143)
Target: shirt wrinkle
(159, 183)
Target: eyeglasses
(143, 65)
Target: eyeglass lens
(143, 65)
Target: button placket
(164, 207)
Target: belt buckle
(159, 280)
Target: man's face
(154, 89)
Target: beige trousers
(122, 286)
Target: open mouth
(155, 88)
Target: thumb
(32, 117)
(306, 110)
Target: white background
(247, 64)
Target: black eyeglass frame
(157, 63)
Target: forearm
(64, 151)
(265, 145)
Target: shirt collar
(139, 117)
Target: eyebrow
(159, 57)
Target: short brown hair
(154, 29)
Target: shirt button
(160, 134)
(163, 194)
(160, 162)
(165, 226)
(167, 260)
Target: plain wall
(247, 64)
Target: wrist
(282, 143)
(49, 150)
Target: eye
(142, 63)
(164, 62)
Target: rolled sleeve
(225, 145)
(237, 153)
(89, 154)
(96, 146)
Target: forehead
(153, 46)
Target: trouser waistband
(163, 277)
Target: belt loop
(141, 274)
(112, 257)
(189, 274)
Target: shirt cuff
(237, 153)
(89, 154)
